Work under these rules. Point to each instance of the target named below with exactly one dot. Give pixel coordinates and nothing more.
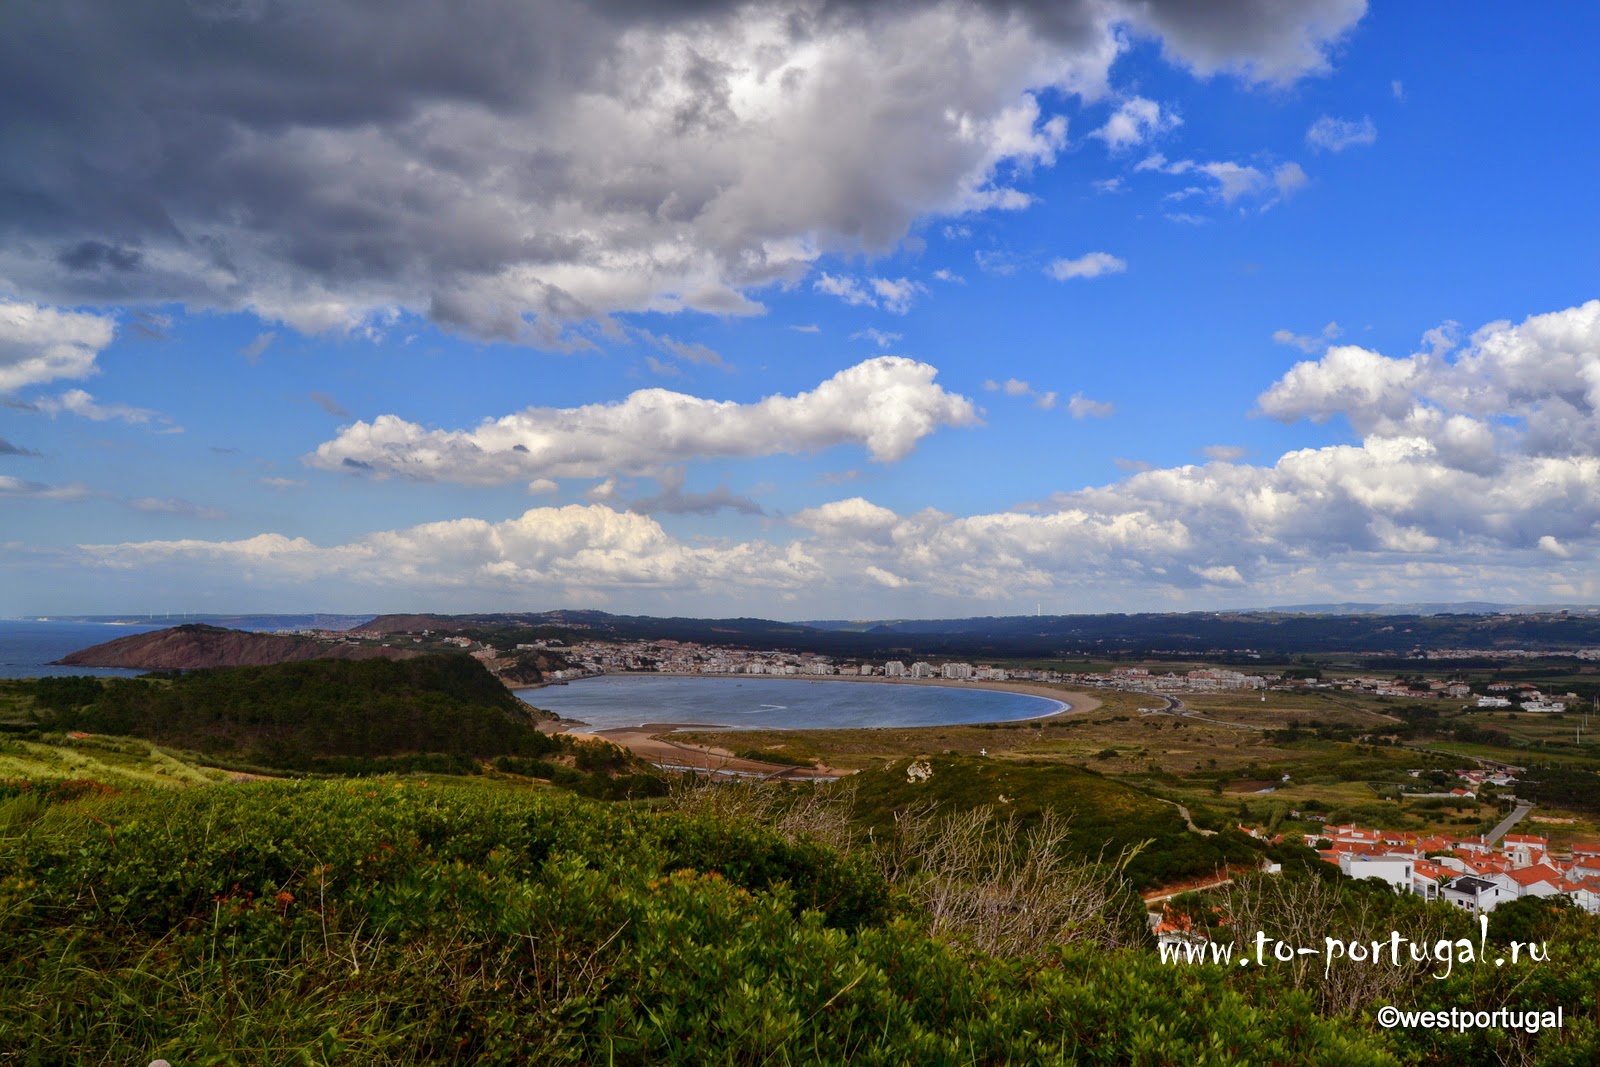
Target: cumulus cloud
(41, 344)
(1477, 473)
(1529, 388)
(886, 405)
(589, 545)
(1335, 135)
(1262, 42)
(1089, 265)
(1136, 121)
(510, 169)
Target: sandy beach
(651, 740)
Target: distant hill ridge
(196, 646)
(1248, 633)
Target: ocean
(756, 703)
(27, 647)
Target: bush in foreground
(407, 923)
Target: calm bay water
(26, 648)
(757, 703)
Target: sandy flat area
(651, 740)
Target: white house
(1474, 894)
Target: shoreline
(649, 740)
(1082, 702)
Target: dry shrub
(821, 811)
(986, 883)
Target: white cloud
(19, 488)
(880, 338)
(1044, 399)
(1089, 265)
(1220, 575)
(1335, 135)
(41, 344)
(592, 545)
(885, 578)
(1136, 121)
(894, 295)
(1288, 178)
(77, 402)
(847, 289)
(1081, 407)
(1398, 88)
(174, 506)
(276, 482)
(1306, 343)
(1224, 453)
(808, 328)
(886, 405)
(1477, 474)
(540, 486)
(950, 277)
(1555, 548)
(1233, 181)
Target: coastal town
(1474, 873)
(589, 658)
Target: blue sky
(797, 310)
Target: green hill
(435, 713)
(1105, 816)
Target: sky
(796, 310)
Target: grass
(113, 761)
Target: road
(1508, 822)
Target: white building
(1398, 871)
(1474, 894)
(894, 669)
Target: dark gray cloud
(9, 449)
(330, 405)
(672, 500)
(509, 167)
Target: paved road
(1508, 822)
